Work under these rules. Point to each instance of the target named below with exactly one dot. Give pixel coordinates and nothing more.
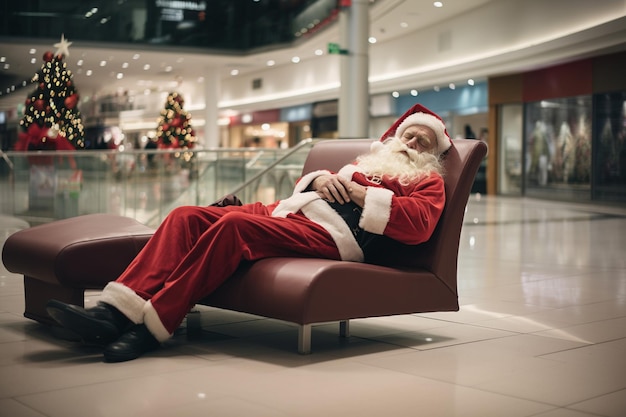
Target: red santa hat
(420, 115)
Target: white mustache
(400, 147)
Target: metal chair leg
(304, 339)
(344, 328)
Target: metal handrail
(293, 150)
(7, 160)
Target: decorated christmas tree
(51, 119)
(174, 129)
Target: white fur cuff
(125, 300)
(376, 210)
(154, 324)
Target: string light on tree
(174, 129)
(51, 117)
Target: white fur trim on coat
(294, 203)
(154, 324)
(348, 170)
(376, 210)
(317, 210)
(321, 213)
(125, 300)
(307, 179)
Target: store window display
(609, 180)
(558, 146)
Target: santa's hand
(357, 193)
(332, 188)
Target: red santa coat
(406, 213)
(197, 248)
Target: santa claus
(396, 191)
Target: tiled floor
(541, 332)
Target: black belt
(351, 214)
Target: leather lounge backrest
(439, 254)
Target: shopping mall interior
(169, 103)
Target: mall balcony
(43, 186)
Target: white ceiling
(388, 19)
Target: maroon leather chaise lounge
(64, 258)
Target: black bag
(228, 200)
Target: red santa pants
(197, 248)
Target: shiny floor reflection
(541, 332)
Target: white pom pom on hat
(420, 115)
(376, 146)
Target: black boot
(101, 324)
(131, 345)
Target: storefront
(261, 129)
(276, 128)
(299, 120)
(561, 131)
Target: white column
(212, 89)
(354, 90)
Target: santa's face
(401, 158)
(419, 137)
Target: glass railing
(40, 186)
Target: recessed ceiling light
(452, 86)
(438, 4)
(271, 63)
(404, 25)
(79, 62)
(470, 81)
(372, 39)
(33, 60)
(319, 52)
(395, 94)
(146, 67)
(88, 73)
(295, 59)
(125, 65)
(119, 76)
(234, 72)
(32, 51)
(414, 93)
(103, 63)
(136, 56)
(168, 68)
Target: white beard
(396, 160)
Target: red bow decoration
(36, 139)
(171, 145)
